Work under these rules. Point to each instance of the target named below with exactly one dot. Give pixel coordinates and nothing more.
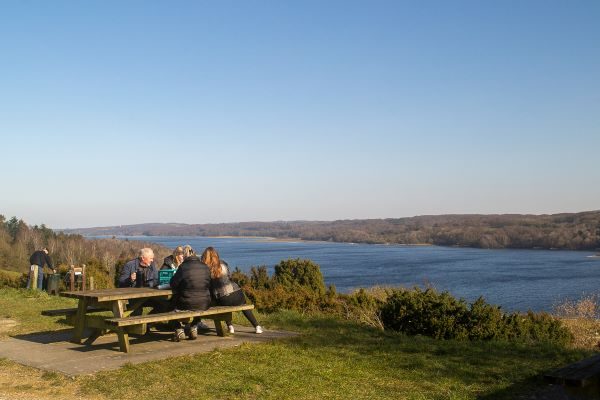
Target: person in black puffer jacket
(190, 285)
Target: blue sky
(117, 112)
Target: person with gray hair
(141, 271)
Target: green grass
(331, 359)
(25, 306)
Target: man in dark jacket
(190, 286)
(142, 272)
(37, 261)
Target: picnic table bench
(218, 314)
(96, 306)
(581, 378)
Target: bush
(95, 270)
(441, 316)
(295, 285)
(428, 312)
(299, 273)
(281, 298)
(363, 305)
(259, 278)
(485, 321)
(12, 279)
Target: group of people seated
(197, 282)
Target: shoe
(202, 325)
(179, 335)
(187, 329)
(193, 332)
(258, 329)
(230, 329)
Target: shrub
(95, 270)
(485, 321)
(428, 312)
(364, 306)
(12, 279)
(281, 298)
(299, 273)
(441, 316)
(259, 278)
(240, 278)
(295, 285)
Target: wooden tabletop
(117, 294)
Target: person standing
(37, 261)
(225, 291)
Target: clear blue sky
(121, 112)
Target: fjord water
(517, 280)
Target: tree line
(19, 240)
(572, 231)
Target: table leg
(119, 312)
(80, 320)
(219, 325)
(95, 335)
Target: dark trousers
(202, 304)
(237, 298)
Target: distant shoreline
(261, 238)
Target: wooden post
(72, 277)
(83, 277)
(91, 283)
(34, 277)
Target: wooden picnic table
(91, 313)
(121, 301)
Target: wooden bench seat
(580, 378)
(213, 312)
(218, 314)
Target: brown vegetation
(102, 256)
(581, 317)
(580, 231)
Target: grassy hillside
(331, 359)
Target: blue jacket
(149, 275)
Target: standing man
(37, 260)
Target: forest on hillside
(19, 240)
(573, 231)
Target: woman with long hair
(223, 289)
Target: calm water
(514, 279)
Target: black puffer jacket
(191, 285)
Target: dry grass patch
(21, 382)
(581, 317)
